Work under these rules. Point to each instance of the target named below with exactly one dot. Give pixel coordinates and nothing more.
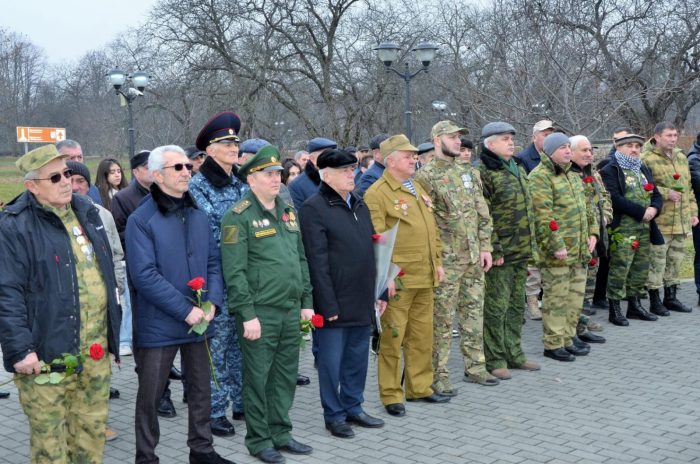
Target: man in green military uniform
(513, 239)
(567, 232)
(267, 281)
(454, 188)
(51, 236)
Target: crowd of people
(226, 251)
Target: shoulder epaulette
(241, 206)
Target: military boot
(671, 302)
(615, 315)
(635, 310)
(533, 306)
(655, 306)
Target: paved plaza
(634, 399)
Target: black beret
(466, 143)
(335, 158)
(79, 169)
(139, 159)
(223, 126)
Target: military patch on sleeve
(230, 235)
(241, 206)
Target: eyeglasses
(179, 166)
(56, 178)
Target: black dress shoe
(166, 408)
(365, 420)
(340, 429)
(184, 397)
(590, 337)
(559, 354)
(174, 374)
(396, 409)
(578, 343)
(113, 393)
(434, 398)
(211, 457)
(294, 447)
(303, 380)
(576, 351)
(4, 395)
(238, 415)
(270, 455)
(221, 427)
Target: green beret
(38, 158)
(266, 159)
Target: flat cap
(446, 127)
(424, 147)
(495, 128)
(320, 143)
(139, 159)
(265, 160)
(79, 169)
(37, 158)
(627, 138)
(554, 141)
(542, 125)
(193, 152)
(377, 140)
(396, 143)
(223, 126)
(335, 158)
(253, 145)
(366, 148)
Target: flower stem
(211, 363)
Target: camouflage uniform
(674, 219)
(465, 228)
(71, 424)
(513, 239)
(558, 195)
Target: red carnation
(196, 284)
(96, 351)
(588, 180)
(377, 238)
(635, 244)
(676, 176)
(553, 226)
(593, 262)
(648, 187)
(401, 273)
(317, 321)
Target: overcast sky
(68, 28)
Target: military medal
(76, 231)
(467, 180)
(255, 224)
(265, 222)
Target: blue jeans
(125, 330)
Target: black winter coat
(340, 253)
(614, 180)
(39, 305)
(694, 166)
(124, 203)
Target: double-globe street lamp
(139, 81)
(388, 52)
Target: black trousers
(154, 366)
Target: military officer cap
(335, 158)
(265, 160)
(139, 159)
(37, 158)
(377, 140)
(495, 128)
(629, 138)
(554, 141)
(446, 127)
(320, 143)
(223, 126)
(396, 143)
(425, 147)
(253, 145)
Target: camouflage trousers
(628, 269)
(67, 421)
(503, 316)
(665, 262)
(533, 283)
(228, 366)
(461, 293)
(561, 306)
(591, 276)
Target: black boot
(615, 315)
(635, 310)
(655, 306)
(671, 302)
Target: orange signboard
(40, 134)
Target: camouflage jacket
(599, 198)
(508, 199)
(675, 216)
(461, 212)
(563, 218)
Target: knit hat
(554, 141)
(79, 169)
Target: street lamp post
(139, 81)
(388, 52)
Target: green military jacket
(674, 217)
(461, 212)
(418, 248)
(508, 199)
(263, 258)
(560, 203)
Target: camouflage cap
(38, 158)
(446, 127)
(266, 159)
(396, 143)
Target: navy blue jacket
(369, 177)
(305, 185)
(168, 244)
(530, 157)
(694, 166)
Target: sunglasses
(56, 178)
(179, 166)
